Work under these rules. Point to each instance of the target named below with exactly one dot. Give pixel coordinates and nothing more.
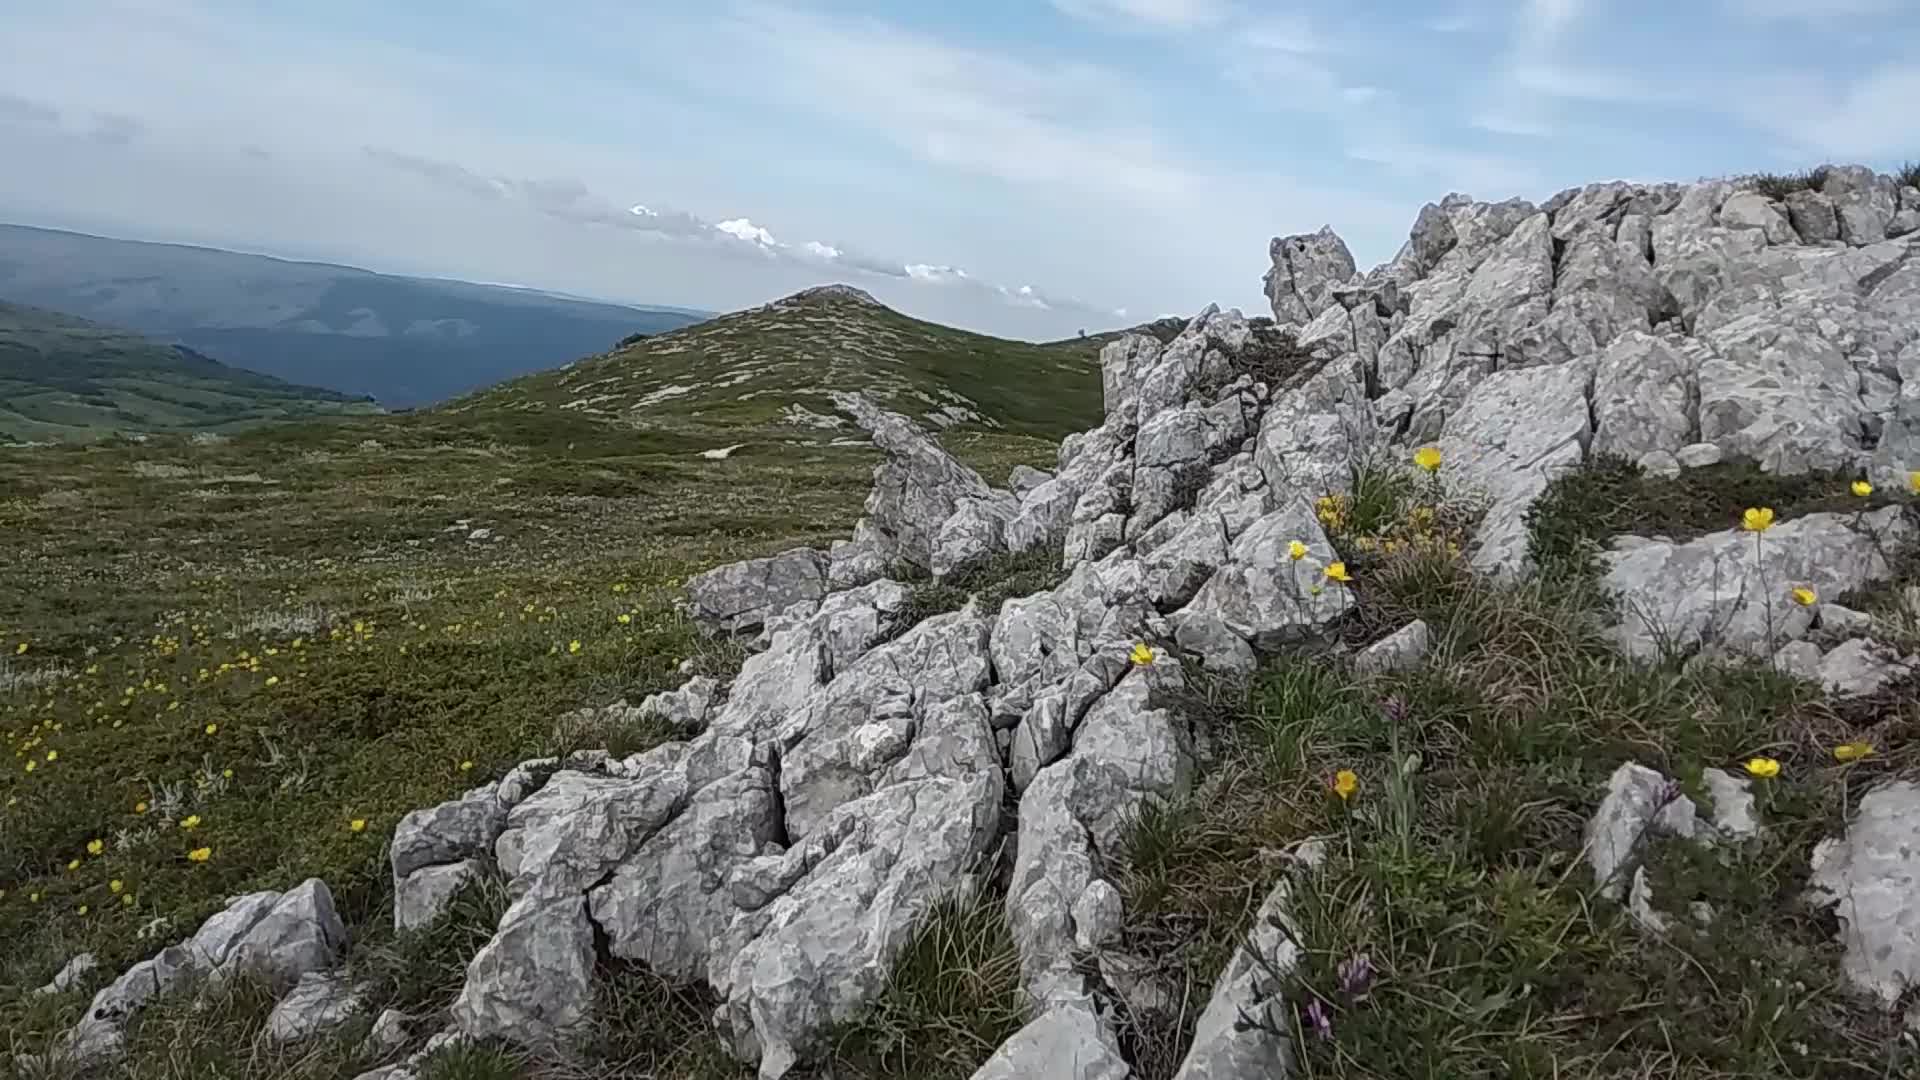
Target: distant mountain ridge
(404, 341)
(775, 368)
(67, 379)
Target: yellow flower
(226, 774)
(200, 854)
(53, 755)
(1853, 751)
(213, 729)
(573, 646)
(115, 886)
(95, 847)
(624, 618)
(1862, 488)
(273, 680)
(72, 866)
(357, 825)
(1757, 519)
(81, 910)
(32, 765)
(191, 821)
(1805, 596)
(20, 648)
(1141, 654)
(33, 898)
(1296, 551)
(126, 899)
(1338, 571)
(1764, 768)
(140, 807)
(1345, 783)
(1428, 458)
(466, 766)
(1913, 481)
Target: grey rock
(1313, 435)
(738, 597)
(1813, 217)
(1220, 649)
(1838, 622)
(918, 488)
(70, 975)
(822, 923)
(317, 1004)
(1403, 649)
(1698, 455)
(532, 984)
(1660, 464)
(684, 709)
(1863, 200)
(1180, 565)
(1636, 795)
(1097, 916)
(971, 536)
(1733, 804)
(1306, 269)
(1871, 876)
(1243, 1031)
(1515, 432)
(1643, 390)
(301, 933)
(424, 895)
(1067, 1041)
(1861, 666)
(1752, 210)
(389, 1033)
(667, 899)
(214, 944)
(1025, 478)
(1265, 596)
(1717, 592)
(1800, 659)
(454, 830)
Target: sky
(1021, 167)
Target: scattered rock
(317, 1004)
(739, 597)
(1403, 649)
(1871, 876)
(70, 975)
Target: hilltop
(775, 367)
(403, 341)
(66, 378)
(1503, 662)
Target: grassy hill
(407, 591)
(403, 341)
(753, 372)
(66, 378)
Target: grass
(362, 657)
(1000, 579)
(1608, 495)
(63, 378)
(738, 374)
(1457, 869)
(1781, 185)
(1908, 175)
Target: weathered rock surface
(739, 597)
(317, 1004)
(1871, 877)
(1727, 591)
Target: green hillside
(758, 367)
(66, 379)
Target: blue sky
(1027, 168)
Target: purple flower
(1356, 977)
(1396, 709)
(1318, 1020)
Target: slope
(404, 341)
(773, 367)
(63, 378)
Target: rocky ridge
(860, 771)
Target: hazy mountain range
(403, 341)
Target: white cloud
(1868, 117)
(819, 250)
(743, 229)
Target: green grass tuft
(1781, 185)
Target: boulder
(1871, 876)
(739, 597)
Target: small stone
(70, 974)
(1698, 455)
(1661, 464)
(1403, 649)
